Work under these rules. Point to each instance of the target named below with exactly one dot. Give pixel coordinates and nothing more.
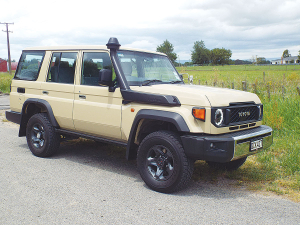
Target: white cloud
(256, 27)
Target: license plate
(256, 145)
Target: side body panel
(97, 111)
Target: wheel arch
(159, 120)
(32, 106)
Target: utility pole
(8, 47)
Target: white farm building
(287, 60)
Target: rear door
(58, 89)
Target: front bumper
(226, 147)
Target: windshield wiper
(176, 81)
(147, 82)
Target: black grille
(238, 114)
(243, 114)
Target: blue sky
(249, 28)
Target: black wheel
(162, 163)
(232, 165)
(41, 137)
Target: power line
(8, 47)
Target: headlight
(219, 117)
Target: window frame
(77, 59)
(39, 69)
(82, 66)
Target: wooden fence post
(254, 87)
(298, 89)
(232, 85)
(206, 82)
(269, 95)
(244, 84)
(283, 91)
(199, 82)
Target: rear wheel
(162, 162)
(232, 165)
(42, 139)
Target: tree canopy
(286, 53)
(262, 60)
(220, 56)
(200, 54)
(168, 49)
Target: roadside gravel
(88, 183)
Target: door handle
(82, 96)
(45, 92)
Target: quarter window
(93, 62)
(29, 65)
(62, 67)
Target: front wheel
(41, 137)
(232, 165)
(162, 163)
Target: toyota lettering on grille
(243, 114)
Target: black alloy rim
(38, 136)
(160, 163)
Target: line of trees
(218, 56)
(200, 54)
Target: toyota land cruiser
(138, 100)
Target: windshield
(142, 68)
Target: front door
(96, 110)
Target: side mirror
(105, 77)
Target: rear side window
(29, 65)
(62, 67)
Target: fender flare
(171, 117)
(24, 118)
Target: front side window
(29, 65)
(93, 62)
(62, 67)
(141, 68)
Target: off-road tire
(42, 139)
(232, 165)
(162, 163)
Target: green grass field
(278, 168)
(5, 80)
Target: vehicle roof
(85, 47)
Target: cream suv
(138, 100)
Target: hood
(198, 95)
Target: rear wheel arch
(31, 107)
(158, 120)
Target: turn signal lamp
(199, 113)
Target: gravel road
(4, 101)
(87, 183)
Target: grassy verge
(5, 80)
(278, 168)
